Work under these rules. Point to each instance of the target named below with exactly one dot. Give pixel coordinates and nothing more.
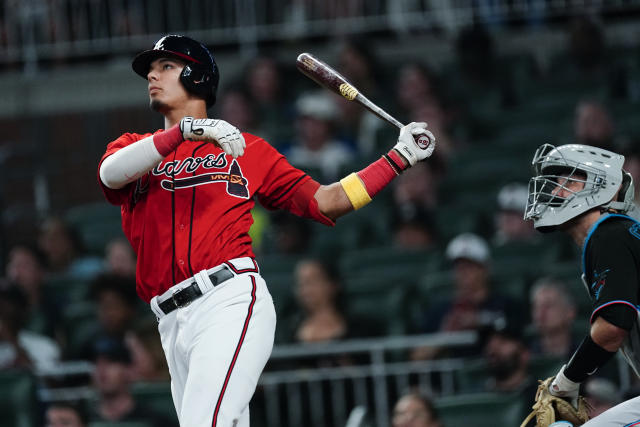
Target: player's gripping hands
(415, 142)
(218, 132)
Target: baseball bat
(326, 76)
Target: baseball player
(186, 194)
(584, 191)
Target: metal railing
(296, 390)
(33, 30)
(292, 397)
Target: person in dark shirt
(584, 191)
(112, 380)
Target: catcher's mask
(591, 177)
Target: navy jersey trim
(235, 354)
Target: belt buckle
(176, 302)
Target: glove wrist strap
(168, 140)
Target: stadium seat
(18, 407)
(97, 224)
(381, 305)
(119, 424)
(389, 261)
(155, 396)
(479, 410)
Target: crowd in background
(60, 303)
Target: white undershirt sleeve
(129, 163)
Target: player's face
(165, 89)
(568, 185)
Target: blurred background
(435, 302)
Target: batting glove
(562, 386)
(415, 142)
(219, 132)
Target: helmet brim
(142, 62)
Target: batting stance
(186, 194)
(585, 192)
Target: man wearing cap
(315, 145)
(473, 303)
(510, 227)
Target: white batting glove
(412, 147)
(562, 386)
(219, 132)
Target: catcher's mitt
(549, 408)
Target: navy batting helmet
(200, 75)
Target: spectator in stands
(357, 62)
(507, 358)
(587, 47)
(601, 394)
(66, 414)
(510, 225)
(148, 361)
(112, 380)
(473, 304)
(415, 410)
(25, 269)
(117, 304)
(236, 108)
(553, 312)
(120, 257)
(317, 287)
(274, 112)
(20, 348)
(632, 165)
(418, 186)
(418, 96)
(315, 145)
(593, 125)
(63, 250)
(413, 228)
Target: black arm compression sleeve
(586, 360)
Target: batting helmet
(605, 184)
(200, 75)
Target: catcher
(584, 192)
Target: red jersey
(193, 211)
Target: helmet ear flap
(200, 81)
(627, 189)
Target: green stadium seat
(119, 424)
(66, 289)
(97, 224)
(389, 262)
(155, 396)
(479, 410)
(18, 404)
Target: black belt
(188, 294)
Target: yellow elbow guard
(355, 190)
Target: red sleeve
(121, 195)
(288, 188)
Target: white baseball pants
(217, 346)
(625, 414)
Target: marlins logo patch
(599, 280)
